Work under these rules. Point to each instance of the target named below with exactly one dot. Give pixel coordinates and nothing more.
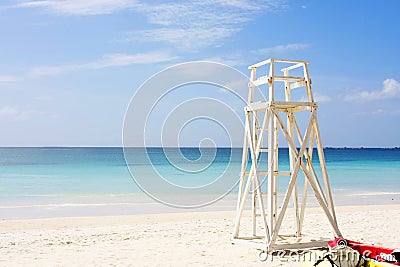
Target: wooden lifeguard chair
(265, 117)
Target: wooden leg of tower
(242, 201)
(258, 185)
(254, 151)
(289, 124)
(303, 204)
(254, 193)
(271, 186)
(276, 168)
(262, 211)
(257, 192)
(295, 195)
(240, 195)
(245, 156)
(243, 190)
(324, 171)
(305, 189)
(308, 83)
(254, 210)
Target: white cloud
(239, 4)
(390, 88)
(79, 7)
(187, 25)
(190, 38)
(197, 14)
(282, 48)
(197, 24)
(378, 112)
(17, 113)
(8, 79)
(8, 111)
(112, 60)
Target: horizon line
(326, 147)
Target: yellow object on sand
(374, 263)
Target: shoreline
(184, 215)
(140, 203)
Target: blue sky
(68, 68)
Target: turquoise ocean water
(42, 182)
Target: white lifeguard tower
(265, 117)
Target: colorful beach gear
(373, 255)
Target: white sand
(182, 239)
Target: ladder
(265, 118)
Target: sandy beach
(171, 239)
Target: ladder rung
(262, 63)
(262, 173)
(257, 106)
(264, 150)
(260, 81)
(259, 64)
(282, 173)
(265, 79)
(298, 65)
(289, 79)
(297, 85)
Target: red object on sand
(380, 254)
